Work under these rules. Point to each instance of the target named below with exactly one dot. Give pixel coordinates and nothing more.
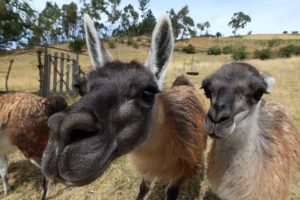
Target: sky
(267, 16)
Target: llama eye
(258, 94)
(148, 94)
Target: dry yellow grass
(251, 42)
(119, 181)
(272, 36)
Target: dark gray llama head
(234, 91)
(114, 114)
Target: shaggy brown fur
(175, 149)
(23, 123)
(24, 117)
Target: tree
(182, 23)
(218, 34)
(239, 20)
(69, 19)
(49, 22)
(113, 14)
(200, 27)
(16, 21)
(129, 19)
(143, 6)
(147, 25)
(207, 26)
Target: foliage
(112, 43)
(285, 32)
(49, 21)
(69, 19)
(295, 32)
(274, 42)
(239, 53)
(16, 21)
(143, 6)
(77, 44)
(263, 54)
(182, 23)
(129, 20)
(189, 49)
(202, 27)
(288, 51)
(218, 34)
(147, 25)
(239, 20)
(132, 42)
(214, 51)
(227, 49)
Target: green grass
(120, 181)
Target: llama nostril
(218, 116)
(78, 134)
(77, 126)
(211, 118)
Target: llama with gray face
(256, 147)
(123, 109)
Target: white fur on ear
(269, 80)
(98, 54)
(161, 48)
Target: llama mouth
(218, 130)
(78, 169)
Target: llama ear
(269, 80)
(98, 54)
(161, 48)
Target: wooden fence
(60, 71)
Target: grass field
(120, 181)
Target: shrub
(112, 43)
(77, 44)
(239, 53)
(190, 49)
(273, 42)
(121, 40)
(218, 34)
(135, 45)
(288, 51)
(227, 50)
(263, 54)
(214, 51)
(295, 32)
(130, 41)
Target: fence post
(41, 71)
(7, 75)
(75, 75)
(45, 75)
(68, 68)
(61, 73)
(55, 72)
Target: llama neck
(158, 125)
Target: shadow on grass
(192, 189)
(22, 172)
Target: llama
(256, 147)
(23, 126)
(124, 110)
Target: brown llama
(256, 147)
(123, 110)
(23, 126)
